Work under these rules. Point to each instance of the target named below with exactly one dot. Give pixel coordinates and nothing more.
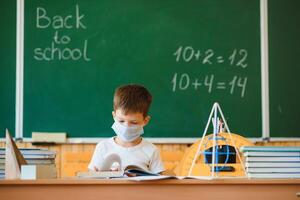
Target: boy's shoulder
(148, 145)
(105, 143)
(146, 142)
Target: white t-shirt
(144, 155)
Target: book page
(161, 177)
(109, 162)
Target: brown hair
(132, 98)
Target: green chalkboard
(189, 54)
(284, 42)
(7, 66)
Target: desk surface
(169, 189)
(228, 181)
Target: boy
(131, 105)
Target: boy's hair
(132, 98)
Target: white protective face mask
(127, 133)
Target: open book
(131, 174)
(134, 174)
(129, 171)
(108, 169)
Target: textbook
(161, 177)
(33, 156)
(272, 164)
(129, 171)
(31, 151)
(107, 172)
(269, 149)
(271, 154)
(274, 170)
(134, 174)
(273, 159)
(274, 175)
(34, 161)
(2, 173)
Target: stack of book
(2, 168)
(272, 162)
(33, 156)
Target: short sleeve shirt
(144, 155)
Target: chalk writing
(209, 83)
(61, 47)
(236, 57)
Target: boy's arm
(156, 164)
(97, 159)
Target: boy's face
(130, 119)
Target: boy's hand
(114, 169)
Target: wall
(75, 157)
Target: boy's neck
(127, 144)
